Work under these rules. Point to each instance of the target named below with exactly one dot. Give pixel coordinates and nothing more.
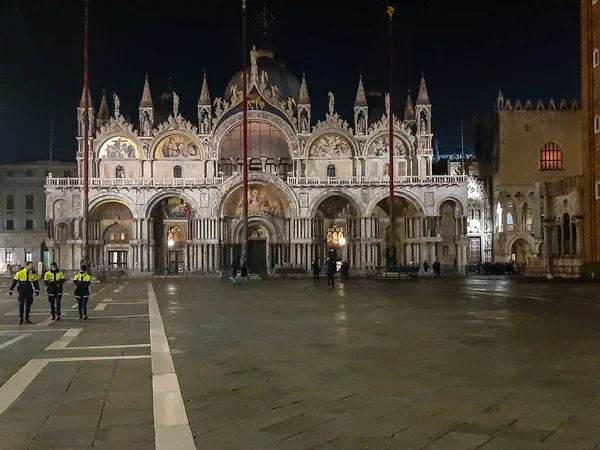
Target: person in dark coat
(244, 273)
(331, 269)
(82, 282)
(54, 280)
(316, 271)
(28, 284)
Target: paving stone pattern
(440, 364)
(477, 363)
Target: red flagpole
(392, 248)
(86, 144)
(245, 133)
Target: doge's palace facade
(165, 195)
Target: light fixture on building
(170, 243)
(342, 241)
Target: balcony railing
(293, 181)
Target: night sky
(529, 49)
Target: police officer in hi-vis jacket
(82, 281)
(54, 280)
(28, 284)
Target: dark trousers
(316, 277)
(25, 302)
(55, 302)
(82, 303)
(330, 278)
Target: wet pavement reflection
(447, 363)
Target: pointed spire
(204, 95)
(361, 98)
(146, 101)
(423, 98)
(82, 101)
(103, 113)
(303, 98)
(409, 111)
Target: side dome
(278, 76)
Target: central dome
(277, 76)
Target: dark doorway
(175, 263)
(332, 253)
(257, 256)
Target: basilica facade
(166, 194)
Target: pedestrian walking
(54, 280)
(233, 273)
(331, 269)
(26, 281)
(316, 271)
(244, 274)
(82, 282)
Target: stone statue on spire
(117, 105)
(331, 102)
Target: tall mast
(392, 239)
(86, 144)
(245, 135)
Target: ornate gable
(332, 138)
(115, 126)
(378, 143)
(177, 123)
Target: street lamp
(342, 241)
(170, 243)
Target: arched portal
(338, 226)
(450, 223)
(520, 251)
(407, 228)
(172, 233)
(268, 210)
(111, 226)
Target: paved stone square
(490, 363)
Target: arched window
(177, 172)
(119, 172)
(175, 236)
(225, 167)
(509, 222)
(270, 166)
(526, 218)
(331, 171)
(116, 234)
(255, 165)
(335, 236)
(566, 234)
(264, 141)
(386, 170)
(551, 157)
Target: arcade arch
(111, 226)
(336, 229)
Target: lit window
(8, 257)
(119, 172)
(335, 236)
(596, 57)
(177, 172)
(551, 157)
(331, 171)
(28, 256)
